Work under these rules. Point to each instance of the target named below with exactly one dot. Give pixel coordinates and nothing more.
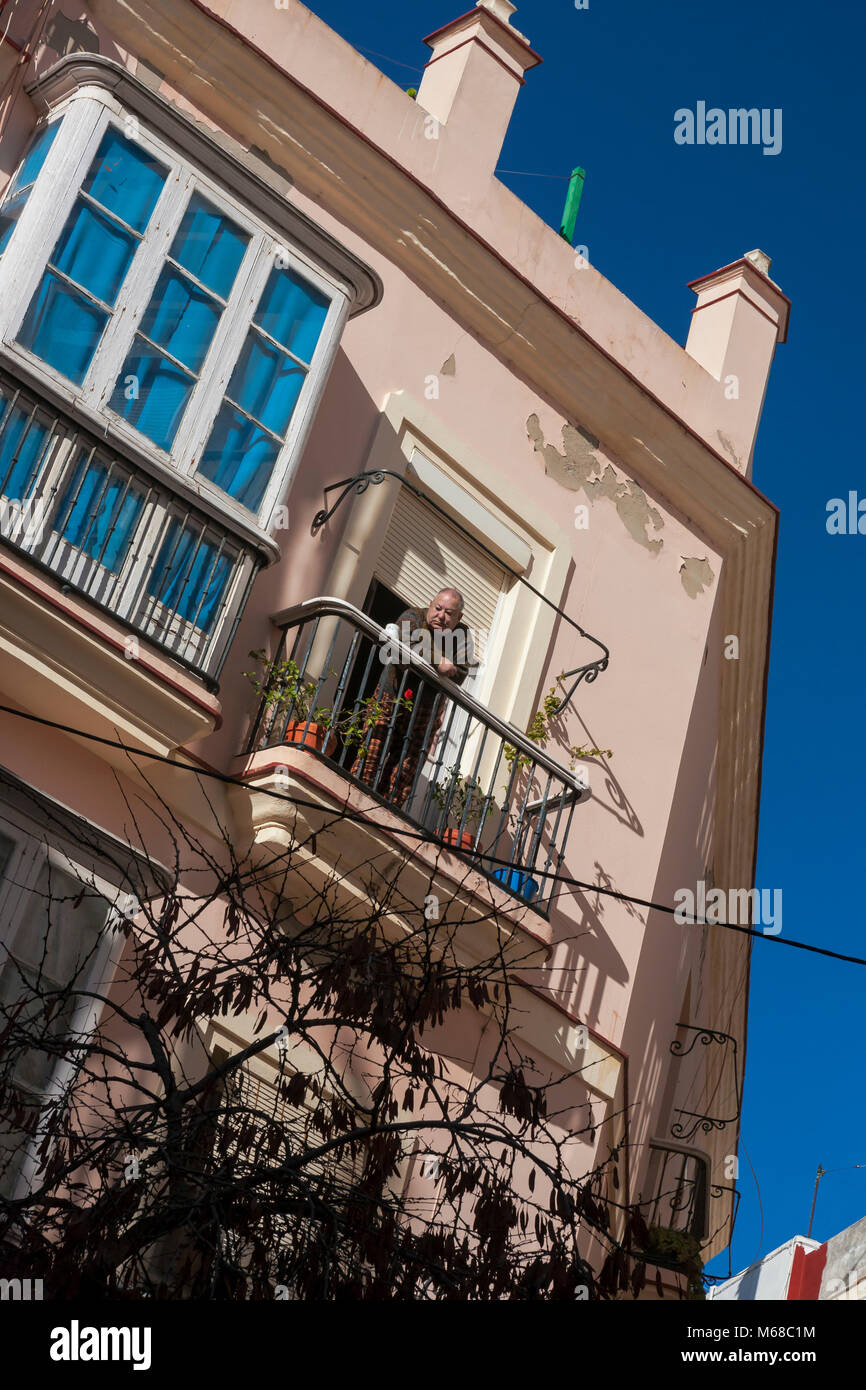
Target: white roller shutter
(423, 553)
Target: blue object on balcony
(516, 881)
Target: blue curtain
(18, 192)
(292, 311)
(125, 179)
(266, 383)
(62, 325)
(152, 394)
(239, 457)
(94, 252)
(210, 246)
(18, 475)
(181, 318)
(99, 516)
(188, 578)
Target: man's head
(446, 609)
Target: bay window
(167, 324)
(157, 301)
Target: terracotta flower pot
(459, 839)
(305, 735)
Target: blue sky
(654, 216)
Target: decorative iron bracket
(362, 481)
(705, 1036)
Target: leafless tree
(250, 1107)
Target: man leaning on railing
(404, 725)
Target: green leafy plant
(680, 1251)
(539, 731)
(281, 687)
(376, 709)
(465, 799)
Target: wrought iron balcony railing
(122, 538)
(341, 687)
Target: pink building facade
(240, 268)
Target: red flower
(407, 694)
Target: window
(676, 1190)
(78, 292)
(170, 309)
(180, 320)
(266, 383)
(55, 944)
(257, 1128)
(422, 552)
(19, 189)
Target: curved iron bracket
(706, 1037)
(362, 481)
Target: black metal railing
(122, 538)
(678, 1182)
(345, 689)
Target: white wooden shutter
(423, 553)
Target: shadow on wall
(671, 953)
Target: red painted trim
(28, 57)
(202, 762)
(807, 1269)
(769, 317)
(560, 1008)
(491, 250)
(55, 601)
(474, 14)
(733, 266)
(474, 38)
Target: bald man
(413, 732)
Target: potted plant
(282, 689)
(375, 710)
(517, 880)
(679, 1251)
(467, 806)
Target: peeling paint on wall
(696, 576)
(448, 368)
(578, 467)
(729, 449)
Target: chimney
(740, 316)
(472, 79)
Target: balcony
(118, 535)
(413, 742)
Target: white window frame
(86, 115)
(33, 849)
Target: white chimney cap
(760, 260)
(503, 9)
